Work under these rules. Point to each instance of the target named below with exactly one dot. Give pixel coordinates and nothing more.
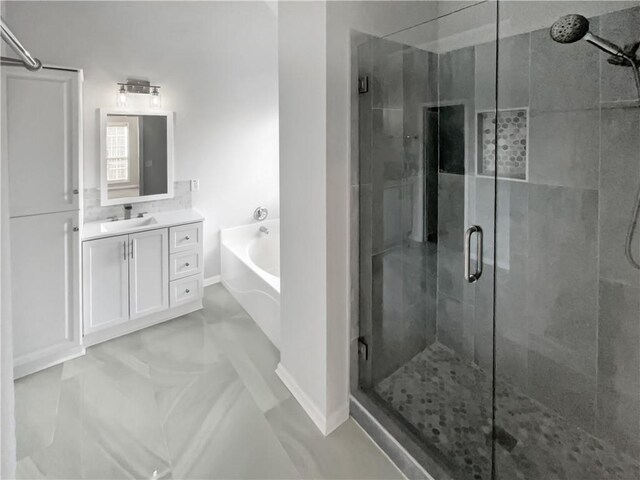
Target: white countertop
(94, 230)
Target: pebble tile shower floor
(194, 397)
(448, 400)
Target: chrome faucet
(264, 230)
(127, 211)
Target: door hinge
(363, 349)
(363, 84)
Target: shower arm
(616, 51)
(26, 60)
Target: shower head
(574, 27)
(569, 29)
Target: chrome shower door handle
(468, 276)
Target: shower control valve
(260, 214)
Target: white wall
(315, 99)
(302, 74)
(217, 65)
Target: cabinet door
(105, 266)
(45, 285)
(149, 272)
(43, 139)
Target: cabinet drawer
(185, 264)
(185, 237)
(186, 290)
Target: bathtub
(251, 272)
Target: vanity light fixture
(142, 87)
(121, 97)
(154, 101)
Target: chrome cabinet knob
(187, 290)
(76, 191)
(186, 264)
(76, 229)
(187, 237)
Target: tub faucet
(264, 230)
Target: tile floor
(195, 397)
(448, 400)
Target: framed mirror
(136, 156)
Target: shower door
(567, 307)
(427, 127)
(531, 371)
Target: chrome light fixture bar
(25, 60)
(138, 87)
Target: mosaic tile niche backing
(512, 143)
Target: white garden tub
(251, 272)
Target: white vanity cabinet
(186, 258)
(105, 268)
(131, 281)
(148, 273)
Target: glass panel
(427, 167)
(567, 304)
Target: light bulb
(154, 100)
(121, 97)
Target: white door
(105, 268)
(149, 272)
(43, 140)
(45, 289)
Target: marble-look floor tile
(37, 399)
(108, 426)
(345, 454)
(194, 397)
(253, 356)
(80, 365)
(215, 430)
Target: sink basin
(124, 225)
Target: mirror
(136, 156)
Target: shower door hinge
(363, 349)
(363, 84)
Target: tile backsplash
(94, 212)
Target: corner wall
(302, 84)
(315, 94)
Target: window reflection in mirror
(136, 156)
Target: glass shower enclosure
(498, 169)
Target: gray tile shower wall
(94, 212)
(567, 306)
(567, 302)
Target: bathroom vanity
(143, 270)
(75, 284)
(139, 272)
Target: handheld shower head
(574, 27)
(569, 29)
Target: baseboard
(337, 418)
(326, 424)
(131, 326)
(212, 280)
(22, 369)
